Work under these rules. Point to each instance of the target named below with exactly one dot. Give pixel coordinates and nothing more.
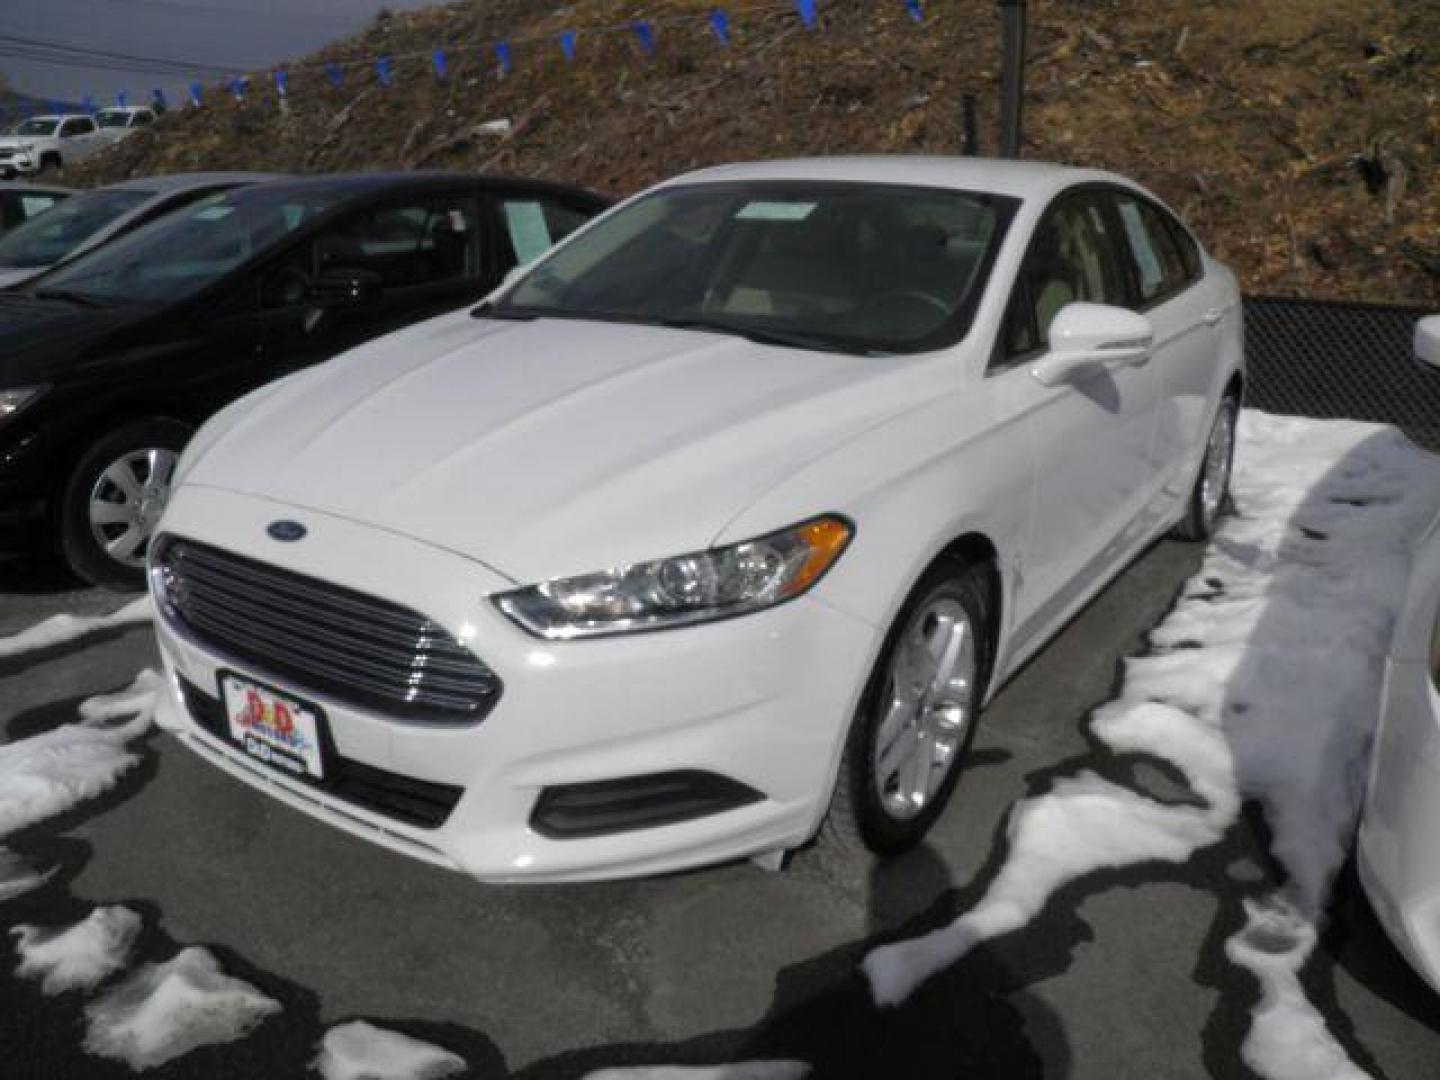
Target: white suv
(122, 121)
(48, 142)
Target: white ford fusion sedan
(1398, 858)
(714, 527)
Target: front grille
(415, 802)
(317, 636)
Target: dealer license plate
(273, 728)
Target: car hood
(40, 340)
(14, 142)
(16, 275)
(554, 447)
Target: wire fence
(1341, 360)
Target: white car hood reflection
(557, 446)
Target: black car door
(372, 270)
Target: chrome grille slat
(222, 599)
(322, 637)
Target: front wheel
(917, 716)
(113, 500)
(1210, 497)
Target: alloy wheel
(126, 502)
(927, 704)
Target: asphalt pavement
(1122, 975)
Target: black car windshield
(112, 118)
(51, 236)
(849, 267)
(41, 128)
(181, 253)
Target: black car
(108, 363)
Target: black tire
(1200, 521)
(858, 822)
(50, 162)
(79, 544)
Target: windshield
(179, 254)
(41, 128)
(112, 118)
(851, 267)
(53, 235)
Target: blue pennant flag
(437, 60)
(382, 70)
(237, 88)
(197, 93)
(88, 104)
(161, 101)
(806, 10)
(281, 79)
(335, 75)
(122, 98)
(502, 55)
(567, 46)
(916, 13)
(720, 25)
(645, 36)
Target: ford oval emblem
(287, 532)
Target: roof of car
(171, 182)
(1021, 179)
(23, 186)
(59, 116)
(358, 183)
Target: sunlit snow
(1263, 683)
(362, 1051)
(79, 956)
(59, 629)
(165, 1010)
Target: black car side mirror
(342, 288)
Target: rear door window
(1160, 265)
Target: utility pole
(1012, 74)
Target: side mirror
(341, 288)
(1084, 336)
(1427, 340)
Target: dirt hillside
(1300, 137)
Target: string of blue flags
(504, 54)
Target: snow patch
(59, 629)
(165, 1010)
(18, 877)
(49, 773)
(744, 1070)
(361, 1051)
(1288, 1039)
(80, 956)
(1263, 683)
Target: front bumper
(1399, 855)
(763, 701)
(19, 164)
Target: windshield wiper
(488, 310)
(83, 299)
(784, 338)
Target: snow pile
(745, 1070)
(18, 877)
(47, 774)
(1288, 1039)
(59, 629)
(1263, 683)
(361, 1051)
(80, 956)
(165, 1010)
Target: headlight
(12, 401)
(687, 589)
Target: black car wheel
(113, 500)
(917, 716)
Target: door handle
(1214, 315)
